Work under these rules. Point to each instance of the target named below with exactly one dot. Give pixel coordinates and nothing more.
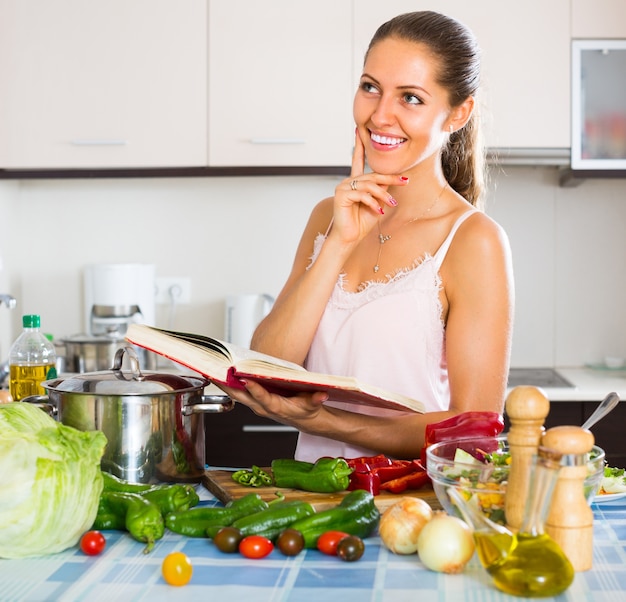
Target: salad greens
(51, 482)
(613, 481)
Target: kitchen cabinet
(608, 433)
(598, 19)
(280, 83)
(240, 438)
(526, 54)
(103, 84)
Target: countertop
(122, 572)
(589, 384)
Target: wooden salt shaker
(527, 408)
(570, 519)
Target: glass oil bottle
(528, 563)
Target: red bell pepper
(370, 473)
(467, 424)
(414, 480)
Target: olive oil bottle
(32, 359)
(528, 563)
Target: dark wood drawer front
(240, 438)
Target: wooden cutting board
(222, 486)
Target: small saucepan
(154, 422)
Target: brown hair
(463, 158)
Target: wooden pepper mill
(527, 408)
(570, 519)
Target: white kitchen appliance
(117, 295)
(243, 314)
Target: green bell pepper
(327, 475)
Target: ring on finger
(353, 184)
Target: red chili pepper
(467, 424)
(414, 480)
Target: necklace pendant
(383, 238)
(376, 268)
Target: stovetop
(537, 377)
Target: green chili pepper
(195, 521)
(269, 523)
(169, 497)
(142, 518)
(356, 514)
(256, 477)
(113, 483)
(327, 475)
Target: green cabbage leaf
(50, 482)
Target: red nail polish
(381, 211)
(404, 178)
(392, 201)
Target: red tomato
(92, 543)
(176, 569)
(327, 542)
(255, 546)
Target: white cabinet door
(280, 83)
(102, 84)
(598, 19)
(526, 53)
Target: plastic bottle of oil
(32, 359)
(528, 563)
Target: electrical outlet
(173, 290)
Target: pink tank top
(389, 334)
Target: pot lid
(118, 381)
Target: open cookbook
(227, 364)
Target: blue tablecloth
(123, 573)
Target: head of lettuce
(50, 482)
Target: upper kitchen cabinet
(280, 83)
(115, 84)
(598, 19)
(526, 54)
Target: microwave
(598, 105)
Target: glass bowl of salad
(479, 469)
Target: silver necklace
(383, 238)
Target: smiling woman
(399, 279)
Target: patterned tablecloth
(123, 573)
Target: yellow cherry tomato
(177, 569)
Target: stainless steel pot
(83, 353)
(154, 423)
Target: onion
(445, 544)
(401, 524)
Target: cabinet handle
(254, 428)
(277, 141)
(98, 142)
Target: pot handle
(210, 404)
(43, 402)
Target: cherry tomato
(176, 569)
(92, 543)
(350, 548)
(255, 546)
(290, 542)
(327, 542)
(227, 540)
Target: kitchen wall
(239, 235)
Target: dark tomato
(92, 543)
(227, 540)
(290, 542)
(350, 548)
(255, 546)
(327, 542)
